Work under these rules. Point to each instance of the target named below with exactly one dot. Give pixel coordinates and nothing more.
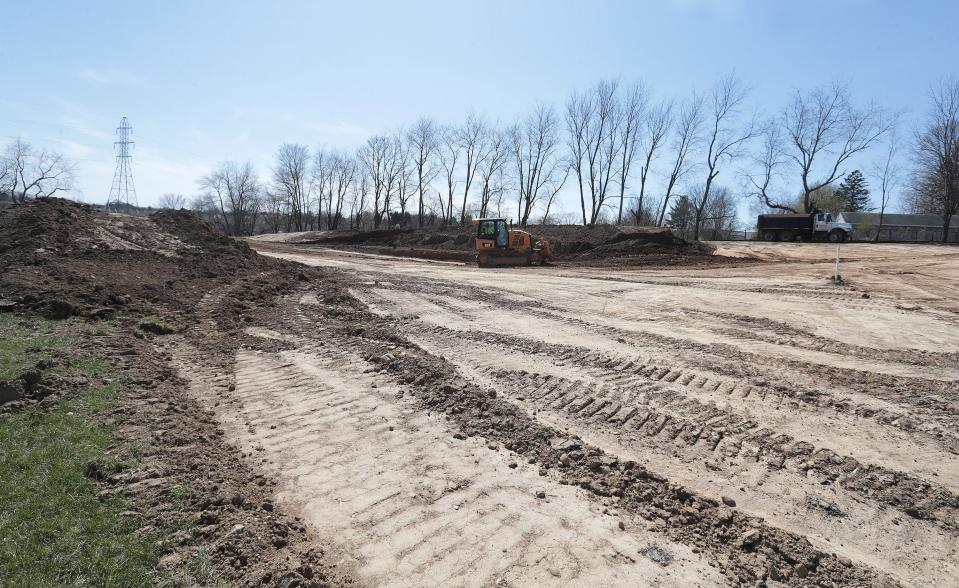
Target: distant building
(899, 227)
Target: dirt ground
(350, 418)
(825, 414)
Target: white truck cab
(825, 224)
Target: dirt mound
(192, 230)
(45, 224)
(597, 245)
(62, 258)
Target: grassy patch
(154, 326)
(53, 530)
(24, 342)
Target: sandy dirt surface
(346, 418)
(820, 413)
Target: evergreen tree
(853, 193)
(682, 216)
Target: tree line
(622, 154)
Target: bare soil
(424, 422)
(826, 414)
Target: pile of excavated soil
(602, 245)
(61, 259)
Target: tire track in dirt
(651, 424)
(780, 333)
(641, 394)
(692, 393)
(932, 400)
(751, 383)
(414, 505)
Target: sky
(203, 82)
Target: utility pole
(123, 194)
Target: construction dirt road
(337, 417)
(735, 424)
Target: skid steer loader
(498, 244)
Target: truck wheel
(769, 236)
(836, 236)
(787, 236)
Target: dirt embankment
(64, 259)
(60, 259)
(601, 245)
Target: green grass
(53, 530)
(24, 342)
(152, 325)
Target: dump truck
(497, 243)
(808, 227)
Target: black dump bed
(793, 222)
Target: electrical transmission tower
(123, 194)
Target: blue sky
(203, 82)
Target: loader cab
(493, 229)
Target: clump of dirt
(597, 245)
(62, 259)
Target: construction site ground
(342, 417)
(824, 411)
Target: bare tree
(321, 182)
(724, 140)
(824, 130)
(633, 114)
(8, 176)
(344, 178)
(406, 181)
(173, 201)
(720, 216)
(592, 122)
(470, 137)
(274, 210)
(422, 143)
(762, 180)
(382, 158)
(656, 128)
(495, 152)
(540, 172)
(359, 195)
(887, 172)
(450, 151)
(26, 174)
(292, 179)
(685, 139)
(937, 154)
(333, 176)
(235, 192)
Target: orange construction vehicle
(498, 244)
